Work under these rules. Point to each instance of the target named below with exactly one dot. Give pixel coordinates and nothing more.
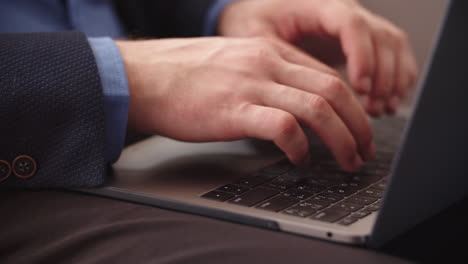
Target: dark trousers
(68, 227)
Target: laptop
(421, 166)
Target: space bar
(254, 196)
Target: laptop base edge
(164, 203)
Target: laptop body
(246, 181)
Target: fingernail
(357, 162)
(366, 84)
(394, 102)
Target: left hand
(380, 62)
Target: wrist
(246, 18)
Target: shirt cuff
(211, 20)
(116, 95)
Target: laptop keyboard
(320, 191)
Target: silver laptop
(421, 166)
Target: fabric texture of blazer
(51, 102)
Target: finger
(408, 70)
(385, 73)
(400, 85)
(413, 68)
(277, 125)
(385, 66)
(337, 94)
(344, 22)
(317, 114)
(404, 79)
(358, 47)
(373, 106)
(403, 60)
(392, 104)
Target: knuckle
(259, 56)
(335, 89)
(401, 36)
(286, 125)
(320, 109)
(357, 20)
(317, 103)
(385, 35)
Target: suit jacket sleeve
(51, 109)
(164, 19)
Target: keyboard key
(234, 189)
(276, 203)
(346, 191)
(299, 211)
(329, 197)
(218, 196)
(318, 205)
(254, 196)
(304, 209)
(373, 207)
(380, 184)
(314, 204)
(348, 207)
(250, 181)
(357, 185)
(330, 215)
(286, 179)
(361, 214)
(358, 199)
(322, 181)
(310, 187)
(297, 194)
(372, 192)
(348, 220)
(279, 185)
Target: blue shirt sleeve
(116, 95)
(211, 20)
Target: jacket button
(5, 170)
(24, 167)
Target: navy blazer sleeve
(51, 109)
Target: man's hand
(380, 61)
(216, 89)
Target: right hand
(219, 89)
